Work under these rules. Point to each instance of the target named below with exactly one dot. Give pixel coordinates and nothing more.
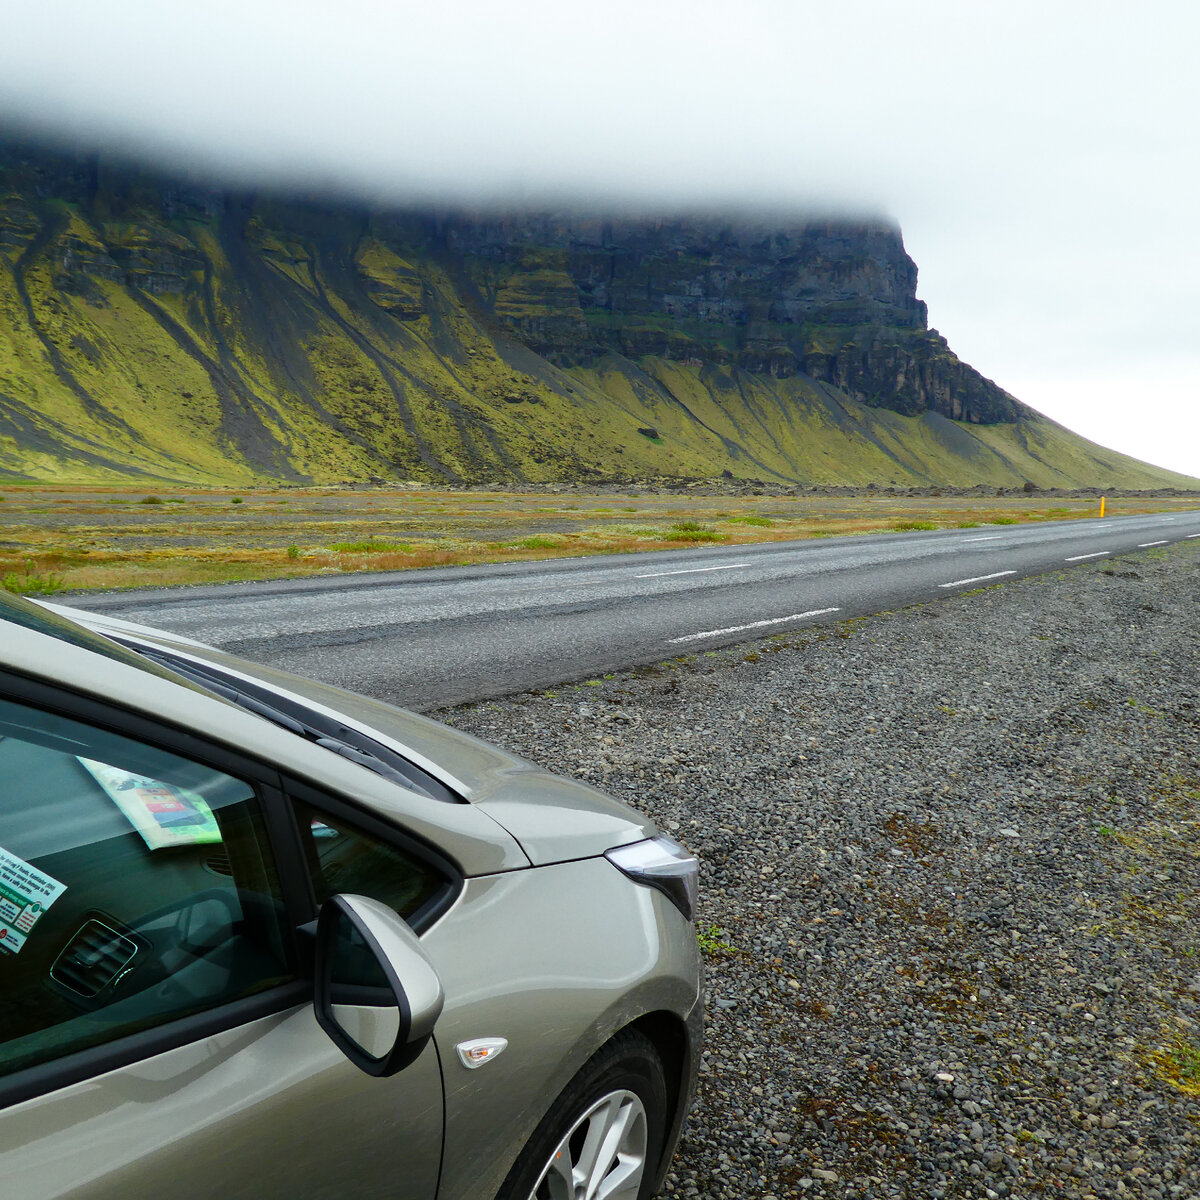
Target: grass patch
(31, 583)
(539, 541)
(698, 535)
(1004, 521)
(693, 531)
(150, 500)
(758, 522)
(365, 546)
(641, 533)
(905, 526)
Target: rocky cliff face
(832, 300)
(151, 327)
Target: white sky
(1042, 158)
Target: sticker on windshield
(25, 893)
(163, 814)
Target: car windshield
(16, 610)
(291, 713)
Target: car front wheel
(602, 1138)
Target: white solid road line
(1191, 535)
(692, 637)
(1081, 557)
(990, 538)
(1145, 545)
(977, 579)
(691, 571)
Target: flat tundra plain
(56, 538)
(950, 872)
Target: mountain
(155, 329)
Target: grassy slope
(283, 358)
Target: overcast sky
(1042, 159)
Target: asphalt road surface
(428, 638)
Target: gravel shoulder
(951, 875)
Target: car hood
(554, 819)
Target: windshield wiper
(329, 735)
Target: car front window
(136, 887)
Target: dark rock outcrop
(835, 300)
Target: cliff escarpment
(835, 301)
(152, 328)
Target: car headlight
(662, 863)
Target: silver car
(260, 937)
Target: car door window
(136, 887)
(344, 858)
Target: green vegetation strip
(58, 538)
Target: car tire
(603, 1136)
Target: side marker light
(475, 1053)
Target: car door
(157, 1035)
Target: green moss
(710, 940)
(1179, 1064)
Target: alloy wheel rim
(602, 1157)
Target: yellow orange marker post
(1102, 499)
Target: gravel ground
(950, 886)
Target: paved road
(426, 638)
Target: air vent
(93, 959)
(219, 864)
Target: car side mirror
(375, 992)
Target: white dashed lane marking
(692, 637)
(1081, 557)
(977, 579)
(691, 571)
(990, 538)
(1146, 545)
